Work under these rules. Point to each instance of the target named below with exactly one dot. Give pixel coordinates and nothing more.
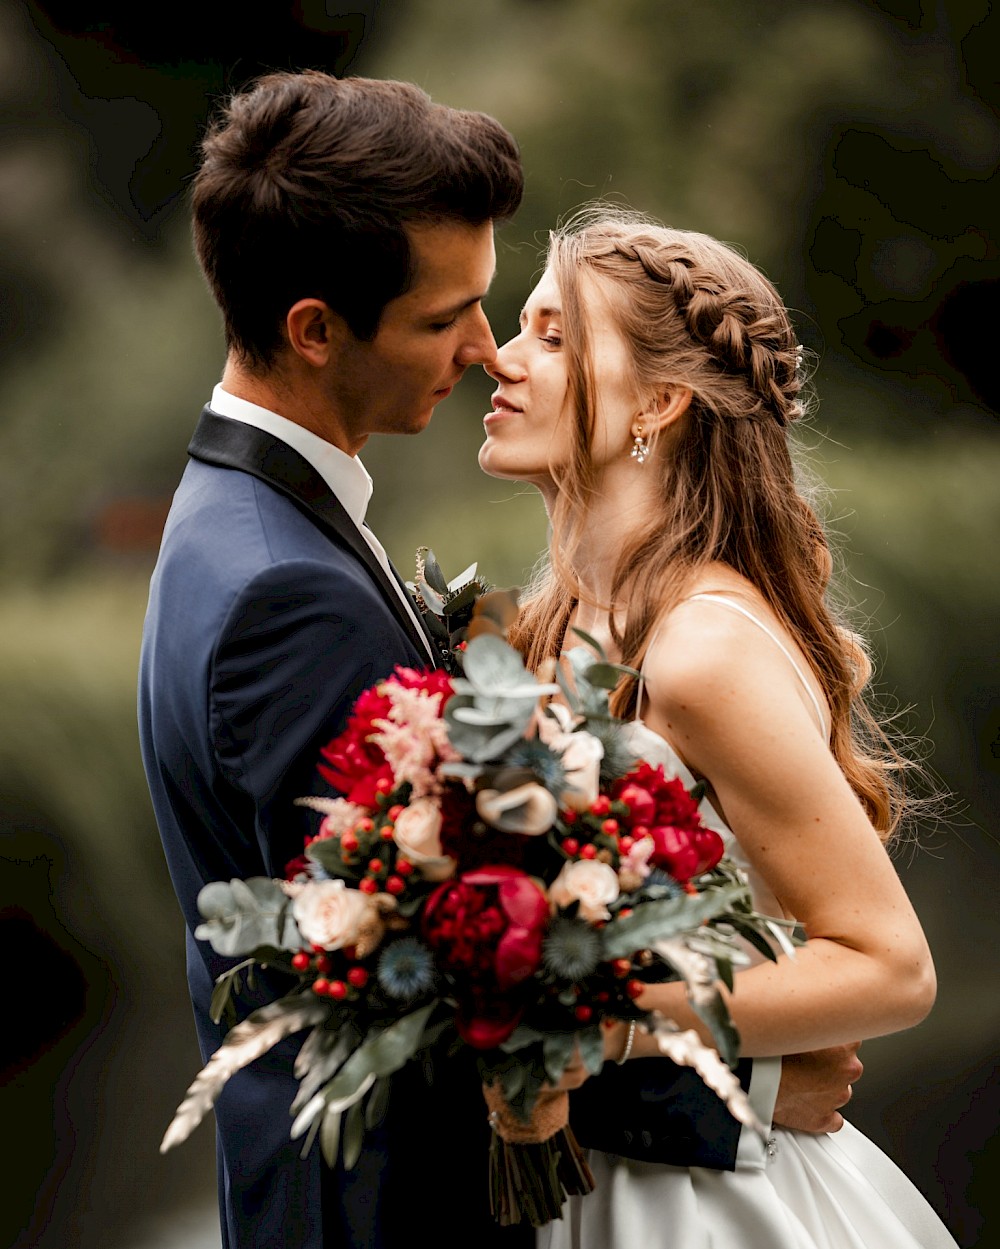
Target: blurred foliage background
(850, 147)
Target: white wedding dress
(799, 1191)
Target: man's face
(426, 338)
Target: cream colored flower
(330, 914)
(581, 755)
(528, 809)
(418, 836)
(591, 883)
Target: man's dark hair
(306, 187)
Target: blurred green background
(850, 147)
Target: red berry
(365, 825)
(588, 851)
(358, 977)
(625, 912)
(602, 995)
(625, 844)
(601, 805)
(387, 832)
(395, 812)
(375, 866)
(395, 884)
(635, 988)
(300, 961)
(610, 827)
(349, 843)
(569, 816)
(621, 967)
(321, 986)
(404, 867)
(369, 885)
(337, 990)
(383, 785)
(322, 963)
(583, 1012)
(571, 846)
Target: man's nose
(480, 347)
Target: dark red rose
(469, 849)
(685, 852)
(640, 802)
(486, 928)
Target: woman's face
(531, 429)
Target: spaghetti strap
(710, 596)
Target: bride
(648, 397)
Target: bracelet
(623, 1057)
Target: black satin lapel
(234, 444)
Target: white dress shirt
(346, 476)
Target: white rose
(591, 883)
(581, 754)
(418, 836)
(331, 915)
(582, 762)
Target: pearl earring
(640, 447)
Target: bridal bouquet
(500, 873)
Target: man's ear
(311, 330)
(666, 409)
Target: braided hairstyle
(693, 312)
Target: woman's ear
(311, 332)
(666, 409)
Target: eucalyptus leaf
(327, 853)
(591, 641)
(242, 916)
(591, 1043)
(557, 1049)
(512, 1081)
(464, 578)
(750, 934)
(656, 921)
(605, 676)
(520, 1038)
(463, 598)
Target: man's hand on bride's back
(815, 1086)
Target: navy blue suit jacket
(268, 615)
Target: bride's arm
(730, 703)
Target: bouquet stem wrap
(535, 1164)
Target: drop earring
(640, 447)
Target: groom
(346, 230)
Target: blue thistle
(406, 969)
(539, 759)
(572, 949)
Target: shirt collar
(346, 476)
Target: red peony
(486, 928)
(684, 846)
(354, 765)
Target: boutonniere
(458, 610)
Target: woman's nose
(505, 367)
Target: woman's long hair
(693, 312)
